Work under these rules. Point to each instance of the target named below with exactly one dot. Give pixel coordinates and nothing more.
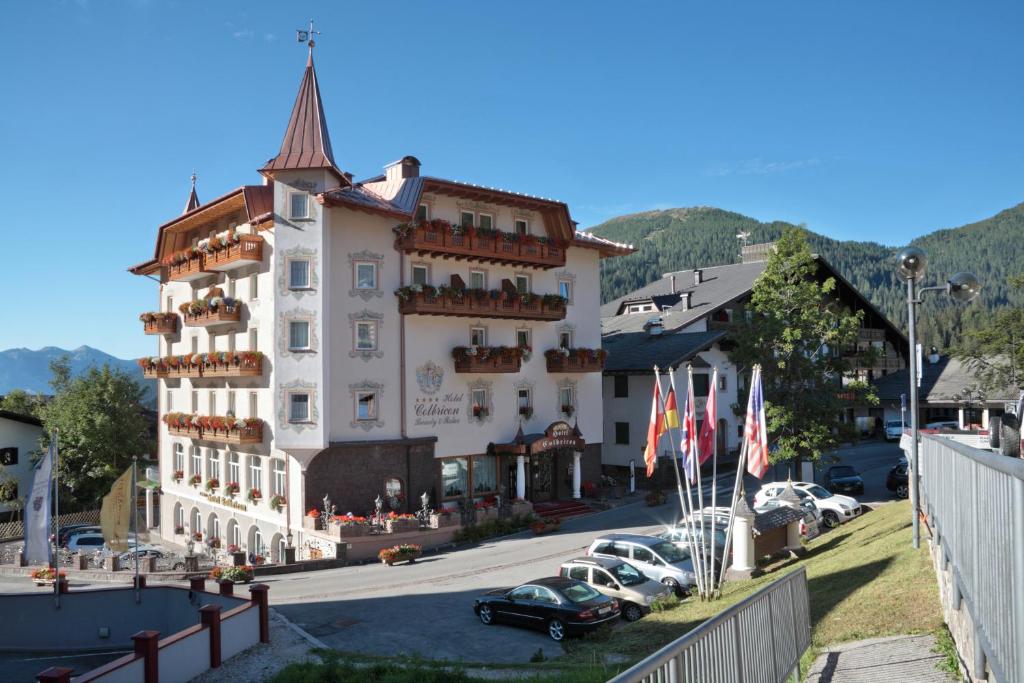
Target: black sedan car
(897, 480)
(843, 479)
(559, 606)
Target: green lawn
(865, 580)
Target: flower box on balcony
(159, 323)
(441, 238)
(480, 303)
(229, 252)
(186, 265)
(487, 358)
(153, 368)
(210, 316)
(220, 429)
(575, 360)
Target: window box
(205, 365)
(495, 303)
(575, 360)
(234, 251)
(215, 428)
(487, 359)
(441, 238)
(159, 323)
(211, 311)
(186, 265)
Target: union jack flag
(688, 435)
(755, 433)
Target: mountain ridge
(29, 370)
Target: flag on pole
(688, 431)
(655, 429)
(116, 512)
(755, 433)
(38, 513)
(671, 419)
(707, 430)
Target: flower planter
(545, 526)
(354, 530)
(440, 238)
(440, 521)
(464, 303)
(160, 323)
(398, 526)
(247, 250)
(238, 559)
(400, 553)
(486, 514)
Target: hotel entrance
(536, 461)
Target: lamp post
(962, 287)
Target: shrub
(492, 528)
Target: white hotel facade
(333, 310)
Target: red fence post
(259, 598)
(147, 646)
(227, 587)
(197, 584)
(55, 674)
(209, 616)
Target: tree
(795, 323)
(21, 402)
(994, 350)
(101, 424)
(9, 494)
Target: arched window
(235, 534)
(195, 522)
(213, 529)
(179, 519)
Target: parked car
(657, 558)
(894, 430)
(809, 525)
(680, 535)
(897, 480)
(559, 606)
(944, 424)
(77, 530)
(87, 543)
(835, 508)
(843, 479)
(617, 579)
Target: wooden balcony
(213, 317)
(160, 323)
(487, 359)
(248, 250)
(187, 270)
(245, 434)
(439, 238)
(480, 305)
(577, 360)
(224, 364)
(868, 334)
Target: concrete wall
(238, 632)
(188, 657)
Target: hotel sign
(226, 502)
(557, 435)
(433, 408)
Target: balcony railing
(215, 428)
(868, 334)
(247, 250)
(204, 365)
(489, 359)
(440, 238)
(575, 360)
(159, 323)
(210, 316)
(185, 268)
(480, 304)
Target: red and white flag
(755, 433)
(654, 429)
(708, 428)
(688, 439)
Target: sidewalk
(907, 659)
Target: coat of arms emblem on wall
(429, 376)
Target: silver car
(620, 580)
(657, 558)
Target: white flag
(38, 512)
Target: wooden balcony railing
(204, 365)
(215, 428)
(575, 360)
(868, 334)
(487, 359)
(480, 304)
(209, 317)
(187, 268)
(159, 323)
(440, 238)
(248, 250)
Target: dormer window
(298, 205)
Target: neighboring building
(335, 310)
(19, 436)
(682, 319)
(948, 393)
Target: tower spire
(193, 198)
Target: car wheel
(631, 611)
(556, 629)
(902, 490)
(831, 519)
(673, 585)
(486, 615)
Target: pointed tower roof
(193, 198)
(306, 142)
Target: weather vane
(304, 36)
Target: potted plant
(568, 410)
(352, 525)
(480, 412)
(195, 480)
(398, 523)
(405, 552)
(526, 412)
(178, 475)
(213, 542)
(254, 496)
(231, 489)
(198, 537)
(277, 502)
(179, 529)
(212, 484)
(45, 576)
(242, 574)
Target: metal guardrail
(975, 500)
(757, 640)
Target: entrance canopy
(557, 436)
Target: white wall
(25, 438)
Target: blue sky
(864, 120)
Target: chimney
(406, 167)
(686, 300)
(672, 283)
(698, 276)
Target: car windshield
(843, 471)
(628, 575)
(817, 491)
(670, 552)
(580, 592)
(895, 424)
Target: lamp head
(911, 263)
(964, 287)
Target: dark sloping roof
(18, 417)
(940, 383)
(639, 352)
(773, 519)
(306, 142)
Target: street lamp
(962, 287)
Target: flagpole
(695, 455)
(696, 557)
(737, 486)
(133, 499)
(56, 506)
(714, 470)
(675, 469)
